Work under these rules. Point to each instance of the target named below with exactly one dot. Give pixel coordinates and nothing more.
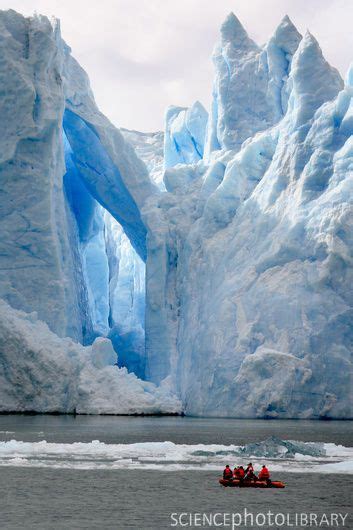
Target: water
(116, 484)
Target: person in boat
(249, 473)
(265, 475)
(236, 474)
(241, 472)
(227, 473)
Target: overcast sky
(142, 55)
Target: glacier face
(127, 299)
(253, 257)
(229, 283)
(35, 245)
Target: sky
(143, 55)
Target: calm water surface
(120, 499)
(113, 429)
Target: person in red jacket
(241, 472)
(264, 474)
(249, 473)
(237, 473)
(227, 473)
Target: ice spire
(286, 36)
(312, 80)
(278, 54)
(184, 134)
(232, 31)
(234, 58)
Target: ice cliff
(229, 284)
(251, 268)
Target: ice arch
(103, 179)
(111, 241)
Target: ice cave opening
(111, 272)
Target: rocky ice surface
(226, 287)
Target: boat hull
(251, 484)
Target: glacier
(206, 269)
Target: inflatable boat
(251, 483)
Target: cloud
(142, 55)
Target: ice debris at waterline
(274, 447)
(41, 372)
(155, 456)
(229, 284)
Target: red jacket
(264, 474)
(227, 473)
(241, 473)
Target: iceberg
(288, 456)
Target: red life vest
(264, 474)
(241, 473)
(228, 472)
